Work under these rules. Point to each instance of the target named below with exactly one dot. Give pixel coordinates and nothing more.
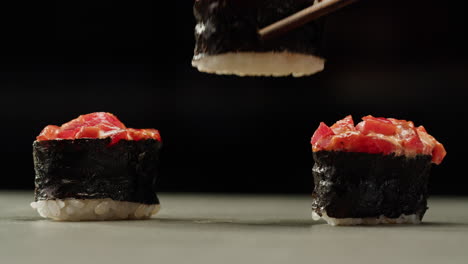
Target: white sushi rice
(93, 209)
(402, 219)
(260, 64)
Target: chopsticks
(302, 17)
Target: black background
(402, 59)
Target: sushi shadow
(299, 223)
(185, 221)
(290, 223)
(24, 219)
(271, 223)
(423, 225)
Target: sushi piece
(95, 168)
(376, 172)
(227, 40)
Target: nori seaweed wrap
(94, 168)
(376, 172)
(227, 42)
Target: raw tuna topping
(97, 125)
(377, 135)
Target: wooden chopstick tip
(302, 17)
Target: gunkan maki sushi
(95, 168)
(376, 172)
(227, 39)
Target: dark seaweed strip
(231, 26)
(91, 169)
(357, 185)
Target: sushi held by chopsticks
(376, 172)
(227, 39)
(95, 168)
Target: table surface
(195, 228)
